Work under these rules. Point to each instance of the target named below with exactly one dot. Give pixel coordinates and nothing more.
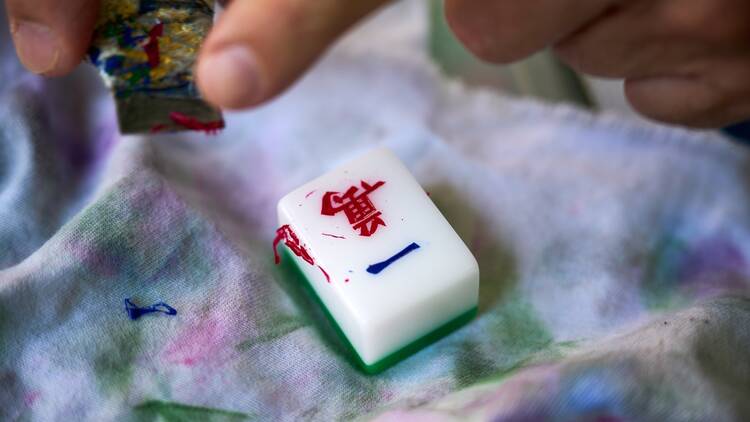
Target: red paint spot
(158, 128)
(328, 279)
(346, 280)
(428, 193)
(192, 123)
(309, 193)
(152, 46)
(333, 235)
(292, 242)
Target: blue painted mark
(126, 38)
(113, 63)
(135, 312)
(380, 266)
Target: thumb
(51, 36)
(258, 48)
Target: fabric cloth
(613, 254)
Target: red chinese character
(358, 208)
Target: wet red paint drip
(192, 123)
(292, 242)
(333, 235)
(152, 46)
(328, 279)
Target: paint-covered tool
(146, 50)
(379, 257)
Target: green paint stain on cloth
(113, 364)
(278, 327)
(157, 410)
(660, 285)
(514, 334)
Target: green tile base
(290, 270)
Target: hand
(255, 50)
(683, 61)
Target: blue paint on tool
(380, 266)
(135, 312)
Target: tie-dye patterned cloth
(614, 255)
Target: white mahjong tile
(379, 254)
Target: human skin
(683, 61)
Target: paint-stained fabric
(613, 255)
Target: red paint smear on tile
(328, 278)
(333, 235)
(346, 280)
(292, 242)
(158, 128)
(309, 193)
(192, 123)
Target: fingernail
(230, 77)
(36, 44)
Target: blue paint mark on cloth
(380, 266)
(135, 312)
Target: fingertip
(257, 49)
(37, 46)
(51, 40)
(676, 100)
(230, 77)
(462, 21)
(490, 31)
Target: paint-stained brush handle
(146, 50)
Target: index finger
(507, 30)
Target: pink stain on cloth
(200, 343)
(31, 397)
